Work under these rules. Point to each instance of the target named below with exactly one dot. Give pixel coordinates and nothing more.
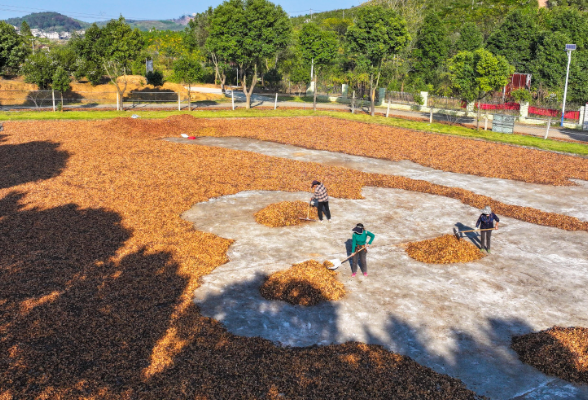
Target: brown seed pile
(306, 284)
(445, 249)
(285, 213)
(561, 352)
(97, 274)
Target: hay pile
(285, 213)
(306, 284)
(562, 352)
(445, 249)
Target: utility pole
(569, 49)
(311, 13)
(33, 44)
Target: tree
(188, 70)
(570, 22)
(196, 33)
(113, 48)
(514, 39)
(551, 61)
(474, 75)
(431, 48)
(61, 82)
(25, 30)
(317, 47)
(470, 38)
(376, 34)
(39, 69)
(13, 51)
(247, 32)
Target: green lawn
(521, 140)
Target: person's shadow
(472, 236)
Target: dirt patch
(561, 352)
(285, 213)
(446, 249)
(306, 284)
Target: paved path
(457, 319)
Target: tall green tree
(550, 65)
(61, 82)
(39, 69)
(570, 22)
(514, 39)
(25, 30)
(113, 48)
(188, 70)
(246, 33)
(470, 38)
(475, 75)
(431, 48)
(378, 33)
(318, 48)
(13, 50)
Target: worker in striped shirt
(322, 200)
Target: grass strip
(518, 140)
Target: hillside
(50, 21)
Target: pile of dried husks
(285, 213)
(445, 249)
(561, 352)
(443, 152)
(305, 284)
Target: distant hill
(56, 22)
(50, 21)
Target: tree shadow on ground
(30, 162)
(71, 319)
(484, 360)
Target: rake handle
(478, 230)
(363, 248)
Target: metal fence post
(353, 104)
(179, 105)
(117, 102)
(276, 102)
(388, 110)
(53, 95)
(233, 99)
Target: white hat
(487, 210)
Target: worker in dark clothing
(486, 221)
(360, 236)
(322, 200)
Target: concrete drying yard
(457, 319)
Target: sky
(91, 11)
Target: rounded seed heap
(306, 284)
(562, 352)
(285, 213)
(445, 249)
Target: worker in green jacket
(359, 237)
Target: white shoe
(321, 221)
(329, 221)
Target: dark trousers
(485, 239)
(362, 257)
(323, 206)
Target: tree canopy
(247, 32)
